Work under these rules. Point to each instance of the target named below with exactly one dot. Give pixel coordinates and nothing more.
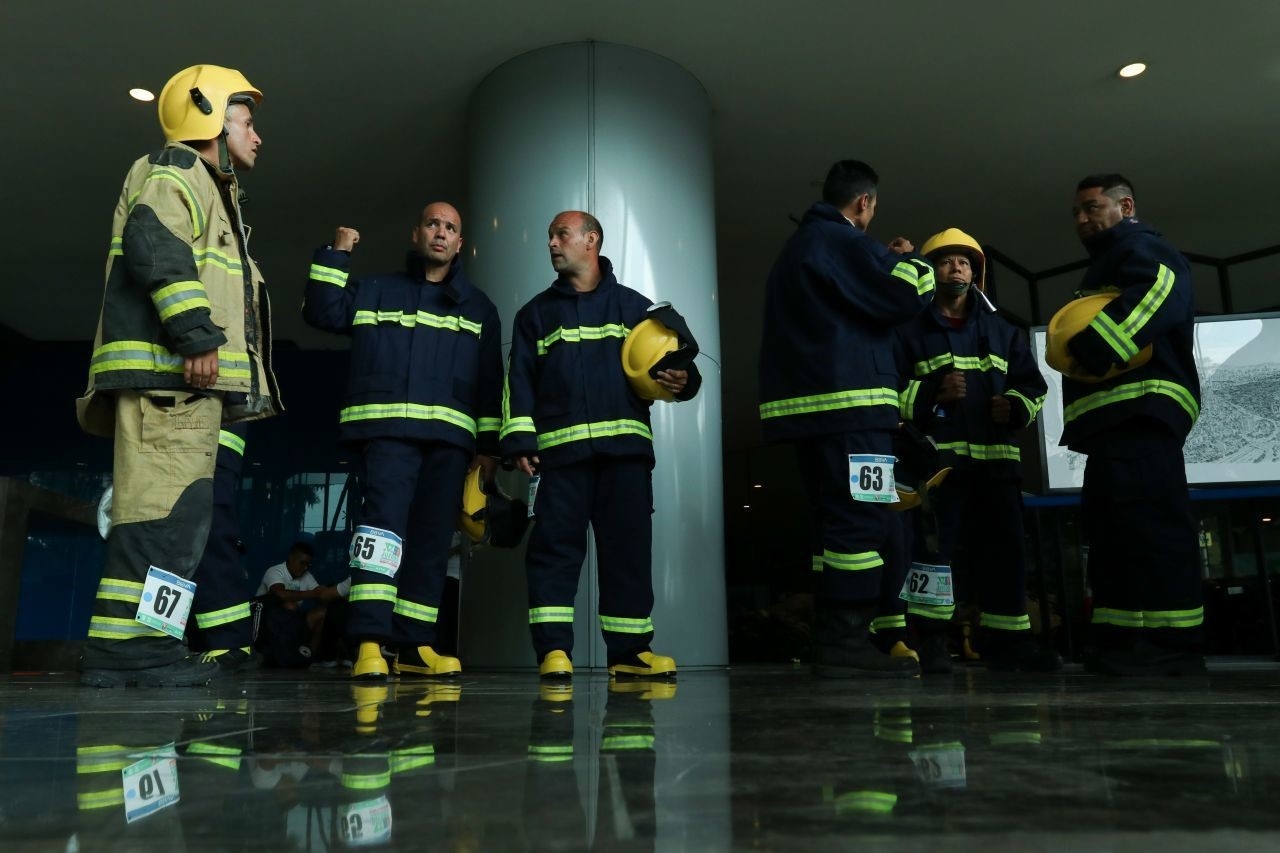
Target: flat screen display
(1236, 439)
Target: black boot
(935, 657)
(843, 647)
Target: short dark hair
(848, 179)
(589, 224)
(1113, 184)
(302, 548)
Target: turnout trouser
(614, 495)
(165, 445)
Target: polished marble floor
(753, 758)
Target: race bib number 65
(871, 478)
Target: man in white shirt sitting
(291, 585)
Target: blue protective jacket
(826, 352)
(567, 398)
(995, 357)
(1155, 306)
(426, 357)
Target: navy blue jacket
(826, 353)
(995, 358)
(1155, 306)
(426, 357)
(567, 397)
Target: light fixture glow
(141, 95)
(1133, 69)
(758, 486)
(1266, 520)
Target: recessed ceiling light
(1133, 69)
(758, 486)
(141, 95)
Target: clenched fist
(346, 238)
(952, 388)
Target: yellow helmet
(662, 341)
(471, 516)
(642, 350)
(956, 240)
(193, 104)
(1072, 319)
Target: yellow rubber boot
(646, 665)
(370, 664)
(423, 660)
(555, 665)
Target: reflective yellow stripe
(1005, 623)
(412, 758)
(163, 174)
(907, 402)
(1132, 391)
(1149, 618)
(888, 623)
(413, 610)
(1015, 738)
(110, 628)
(449, 323)
(982, 452)
(116, 247)
(830, 402)
(209, 256)
(366, 781)
(225, 616)
(100, 799)
(582, 333)
(212, 753)
(139, 355)
(372, 592)
(877, 802)
(110, 589)
(329, 275)
(1150, 303)
(940, 612)
(858, 562)
(600, 429)
(551, 753)
(407, 411)
(624, 625)
(231, 441)
(962, 362)
(815, 562)
(173, 299)
(514, 425)
(489, 424)
(539, 615)
(622, 742)
(1032, 406)
(1114, 336)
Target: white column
(626, 135)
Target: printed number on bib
(367, 822)
(166, 602)
(150, 784)
(376, 550)
(940, 767)
(926, 584)
(871, 478)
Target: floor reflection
(754, 758)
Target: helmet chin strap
(225, 166)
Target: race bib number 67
(871, 478)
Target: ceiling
(979, 114)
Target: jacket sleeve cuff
(200, 338)
(1093, 353)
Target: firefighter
(828, 385)
(423, 406)
(572, 419)
(185, 323)
(1130, 395)
(970, 382)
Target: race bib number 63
(871, 478)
